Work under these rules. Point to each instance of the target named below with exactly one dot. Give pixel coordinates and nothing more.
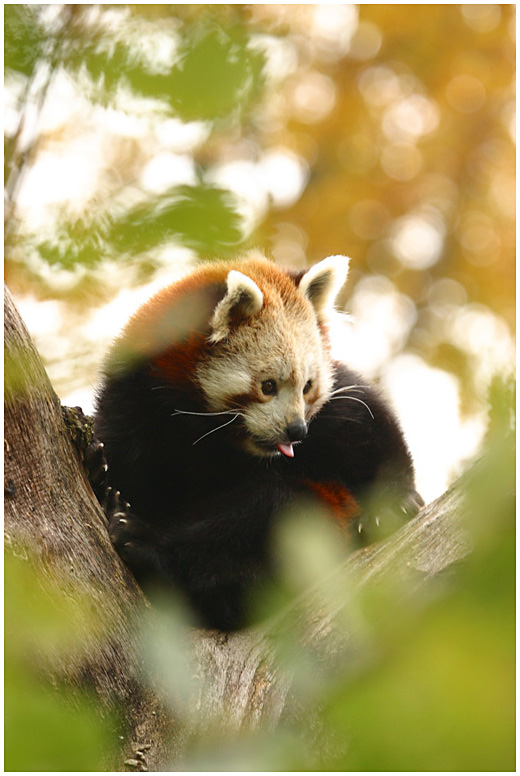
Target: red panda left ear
(242, 300)
(322, 283)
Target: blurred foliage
(47, 728)
(215, 74)
(203, 218)
(430, 684)
(23, 45)
(440, 693)
(414, 678)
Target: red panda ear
(242, 300)
(322, 283)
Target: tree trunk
(54, 522)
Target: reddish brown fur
(272, 281)
(178, 363)
(171, 329)
(240, 401)
(339, 499)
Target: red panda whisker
(347, 388)
(349, 420)
(203, 414)
(218, 427)
(354, 398)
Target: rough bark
(54, 522)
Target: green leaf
(218, 73)
(201, 217)
(47, 730)
(23, 38)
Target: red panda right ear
(322, 283)
(242, 300)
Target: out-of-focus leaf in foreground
(46, 728)
(421, 676)
(440, 694)
(201, 217)
(212, 72)
(23, 39)
(218, 74)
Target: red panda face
(247, 337)
(277, 375)
(269, 358)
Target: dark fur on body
(202, 515)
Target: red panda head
(268, 355)
(246, 336)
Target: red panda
(221, 407)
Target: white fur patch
(220, 379)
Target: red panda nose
(297, 430)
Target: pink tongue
(286, 450)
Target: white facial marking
(221, 379)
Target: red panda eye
(269, 387)
(307, 387)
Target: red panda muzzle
(297, 430)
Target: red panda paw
(96, 468)
(124, 527)
(384, 513)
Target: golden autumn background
(141, 139)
